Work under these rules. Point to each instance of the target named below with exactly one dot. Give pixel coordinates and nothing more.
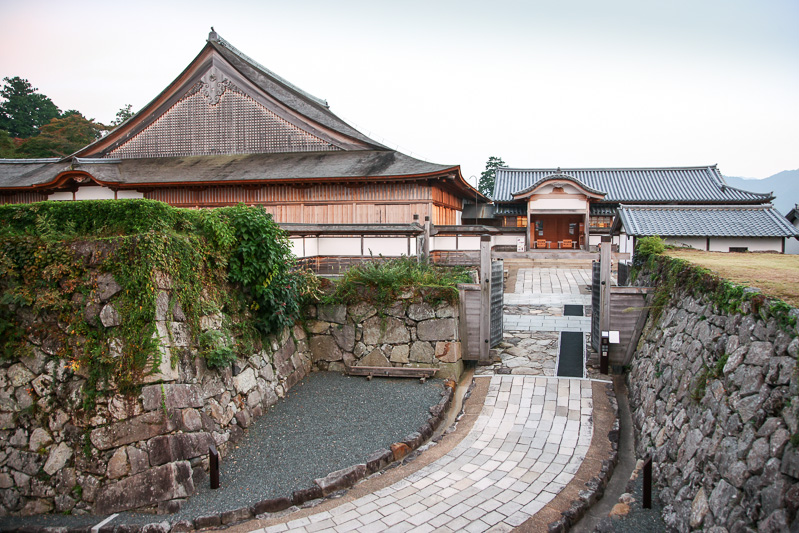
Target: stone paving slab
(528, 442)
(546, 299)
(552, 280)
(546, 323)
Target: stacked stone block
(130, 452)
(410, 333)
(715, 403)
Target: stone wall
(713, 398)
(410, 333)
(147, 450)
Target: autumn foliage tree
(62, 137)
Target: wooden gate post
(604, 284)
(485, 300)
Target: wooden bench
(391, 372)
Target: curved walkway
(528, 442)
(524, 448)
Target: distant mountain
(784, 185)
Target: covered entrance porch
(558, 212)
(562, 231)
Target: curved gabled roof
(263, 96)
(558, 177)
(702, 184)
(228, 120)
(229, 169)
(288, 94)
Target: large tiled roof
(703, 221)
(287, 93)
(27, 172)
(225, 168)
(639, 185)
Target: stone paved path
(533, 320)
(552, 280)
(530, 439)
(552, 287)
(527, 444)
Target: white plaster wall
(442, 243)
(387, 246)
(60, 196)
(755, 244)
(505, 240)
(335, 246)
(129, 195)
(792, 244)
(331, 246)
(625, 243)
(468, 243)
(557, 204)
(296, 247)
(94, 192)
(699, 243)
(311, 246)
(594, 240)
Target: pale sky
(570, 83)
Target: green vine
(673, 277)
(234, 261)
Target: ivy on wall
(234, 260)
(673, 275)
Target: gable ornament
(213, 84)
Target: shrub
(381, 281)
(652, 245)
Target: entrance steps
(553, 258)
(548, 258)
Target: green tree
(7, 148)
(24, 110)
(62, 136)
(123, 114)
(486, 184)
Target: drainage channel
(571, 348)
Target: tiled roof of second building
(639, 185)
(703, 221)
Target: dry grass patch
(776, 275)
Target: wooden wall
(626, 306)
(22, 198)
(374, 203)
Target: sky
(569, 83)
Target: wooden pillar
(427, 232)
(587, 226)
(485, 300)
(419, 239)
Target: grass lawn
(776, 275)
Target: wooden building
(573, 208)
(228, 130)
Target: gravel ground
(638, 520)
(327, 422)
